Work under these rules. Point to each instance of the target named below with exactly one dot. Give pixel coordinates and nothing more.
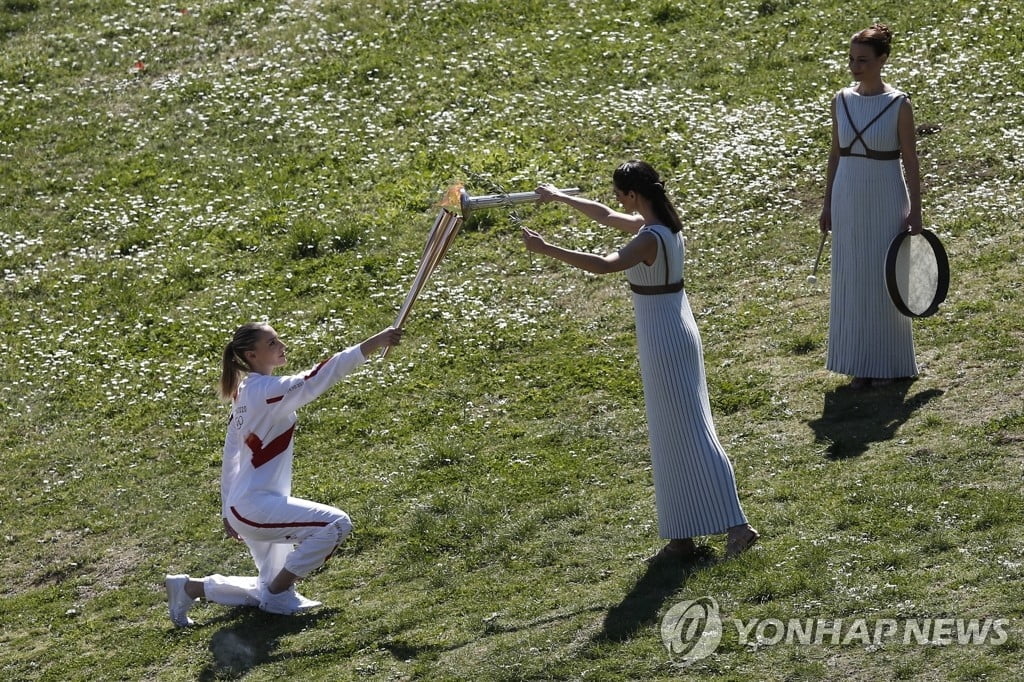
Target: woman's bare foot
(741, 538)
(682, 549)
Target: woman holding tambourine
(873, 192)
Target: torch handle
(470, 204)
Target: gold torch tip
(452, 197)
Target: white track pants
(281, 532)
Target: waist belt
(871, 154)
(655, 290)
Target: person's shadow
(639, 609)
(853, 419)
(251, 640)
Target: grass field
(168, 172)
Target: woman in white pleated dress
(694, 484)
(873, 192)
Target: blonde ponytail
(233, 362)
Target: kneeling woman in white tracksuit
(288, 537)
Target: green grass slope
(168, 172)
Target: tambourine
(917, 273)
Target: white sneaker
(178, 602)
(286, 603)
(306, 604)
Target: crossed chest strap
(868, 152)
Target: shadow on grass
(639, 609)
(852, 419)
(403, 650)
(251, 641)
(252, 638)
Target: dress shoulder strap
(664, 251)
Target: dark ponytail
(640, 177)
(233, 362)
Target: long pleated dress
(867, 335)
(694, 483)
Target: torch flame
(451, 197)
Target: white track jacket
(258, 449)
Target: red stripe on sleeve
(316, 370)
